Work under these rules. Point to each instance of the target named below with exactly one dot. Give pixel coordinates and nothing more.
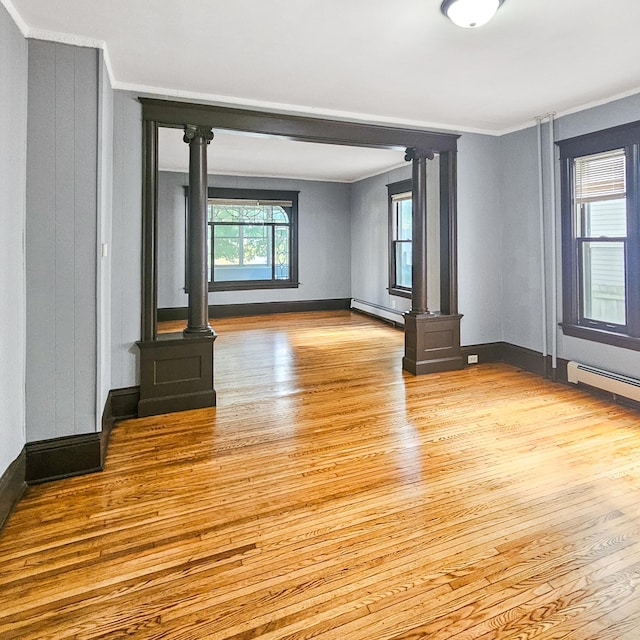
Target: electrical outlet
(472, 358)
(393, 304)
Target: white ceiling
(251, 155)
(392, 61)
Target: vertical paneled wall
(105, 209)
(126, 239)
(61, 240)
(13, 131)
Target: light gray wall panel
(171, 239)
(604, 116)
(41, 242)
(323, 234)
(86, 235)
(105, 212)
(126, 239)
(521, 252)
(62, 204)
(61, 240)
(13, 132)
(479, 242)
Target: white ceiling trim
(298, 110)
(63, 38)
(231, 101)
(281, 176)
(17, 18)
(66, 38)
(228, 101)
(568, 112)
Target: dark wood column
(448, 233)
(149, 230)
(418, 157)
(176, 369)
(431, 340)
(197, 273)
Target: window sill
(252, 285)
(402, 293)
(598, 335)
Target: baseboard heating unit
(605, 380)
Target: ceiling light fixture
(470, 13)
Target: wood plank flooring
(331, 496)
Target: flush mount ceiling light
(470, 13)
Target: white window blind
(600, 177)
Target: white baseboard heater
(392, 315)
(606, 380)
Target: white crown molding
(66, 38)
(567, 112)
(17, 18)
(289, 109)
(55, 36)
(379, 173)
(280, 176)
(276, 107)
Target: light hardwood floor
(330, 495)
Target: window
(252, 239)
(400, 226)
(601, 236)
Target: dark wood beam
(177, 114)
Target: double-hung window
(400, 229)
(252, 239)
(601, 236)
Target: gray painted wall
(324, 233)
(104, 226)
(479, 242)
(521, 247)
(479, 239)
(13, 133)
(126, 240)
(370, 240)
(521, 268)
(498, 239)
(61, 240)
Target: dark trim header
(169, 113)
(600, 141)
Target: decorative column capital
(192, 131)
(416, 153)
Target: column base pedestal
(431, 343)
(176, 374)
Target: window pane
(257, 249)
(227, 231)
(404, 219)
(226, 250)
(605, 218)
(247, 211)
(250, 239)
(281, 253)
(603, 280)
(224, 213)
(403, 264)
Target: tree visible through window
(249, 240)
(252, 239)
